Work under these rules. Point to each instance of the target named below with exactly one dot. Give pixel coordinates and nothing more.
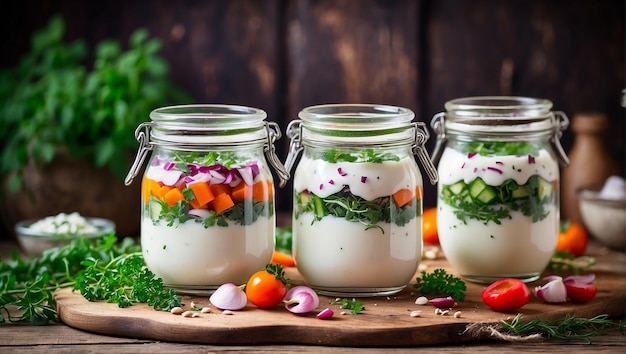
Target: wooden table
(54, 338)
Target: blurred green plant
(53, 101)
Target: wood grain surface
(385, 322)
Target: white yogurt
(515, 248)
(190, 256)
(365, 179)
(336, 255)
(341, 257)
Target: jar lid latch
(559, 124)
(294, 133)
(142, 134)
(273, 134)
(421, 136)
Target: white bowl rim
(103, 225)
(593, 196)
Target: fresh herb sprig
(27, 284)
(228, 159)
(441, 283)
(361, 155)
(244, 212)
(346, 205)
(355, 306)
(567, 328)
(124, 280)
(564, 261)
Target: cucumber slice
(481, 191)
(487, 196)
(154, 207)
(457, 187)
(545, 189)
(520, 192)
(319, 206)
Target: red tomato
(572, 238)
(506, 294)
(581, 293)
(429, 226)
(267, 288)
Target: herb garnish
(439, 282)
(563, 261)
(361, 155)
(355, 306)
(105, 271)
(567, 328)
(494, 203)
(225, 158)
(346, 205)
(245, 212)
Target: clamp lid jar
(207, 205)
(357, 206)
(498, 191)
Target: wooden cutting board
(386, 321)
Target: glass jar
(498, 191)
(207, 204)
(357, 205)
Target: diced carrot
(222, 202)
(241, 191)
(149, 187)
(202, 192)
(196, 205)
(219, 188)
(418, 192)
(261, 190)
(402, 197)
(173, 196)
(162, 191)
(283, 259)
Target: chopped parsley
(441, 283)
(362, 155)
(355, 306)
(350, 207)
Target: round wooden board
(384, 322)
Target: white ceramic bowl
(34, 242)
(604, 218)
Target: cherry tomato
(267, 288)
(581, 293)
(572, 238)
(429, 226)
(506, 294)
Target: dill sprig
(567, 328)
(563, 261)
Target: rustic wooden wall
(282, 55)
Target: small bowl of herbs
(37, 235)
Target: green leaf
(440, 283)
